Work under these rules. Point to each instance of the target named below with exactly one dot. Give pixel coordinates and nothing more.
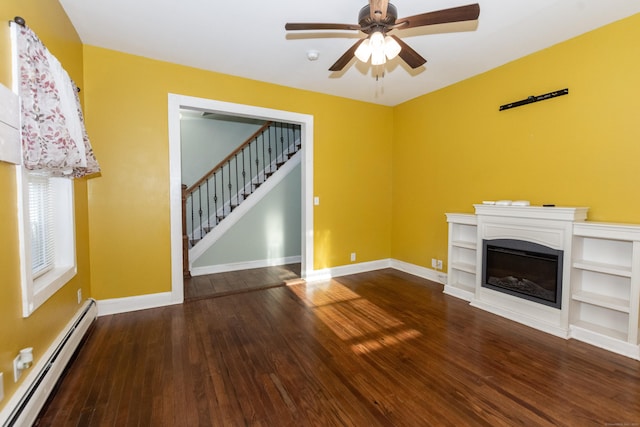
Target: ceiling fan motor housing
(364, 18)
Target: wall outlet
(353, 256)
(79, 296)
(439, 264)
(316, 201)
(434, 263)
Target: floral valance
(54, 138)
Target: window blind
(41, 222)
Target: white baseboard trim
(363, 267)
(605, 342)
(25, 404)
(245, 265)
(344, 270)
(459, 293)
(140, 302)
(416, 270)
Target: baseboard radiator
(24, 406)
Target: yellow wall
(49, 21)
(126, 113)
(453, 148)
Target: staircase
(216, 195)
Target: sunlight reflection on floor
(351, 317)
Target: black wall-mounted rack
(531, 99)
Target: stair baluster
(215, 197)
(244, 177)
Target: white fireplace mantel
(600, 272)
(534, 212)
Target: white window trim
(36, 291)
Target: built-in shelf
(598, 329)
(463, 244)
(605, 280)
(605, 268)
(461, 274)
(469, 268)
(599, 300)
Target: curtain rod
(20, 21)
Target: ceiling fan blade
(346, 57)
(320, 26)
(378, 9)
(408, 55)
(455, 14)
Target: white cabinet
(461, 273)
(605, 285)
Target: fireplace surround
(543, 229)
(596, 298)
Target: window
(47, 236)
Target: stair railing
(214, 196)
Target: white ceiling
(247, 38)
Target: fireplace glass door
(523, 269)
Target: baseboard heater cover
(23, 408)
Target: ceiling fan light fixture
(363, 52)
(379, 17)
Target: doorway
(178, 102)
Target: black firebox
(524, 269)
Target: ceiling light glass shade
(377, 48)
(363, 52)
(376, 41)
(391, 47)
(377, 57)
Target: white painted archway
(177, 102)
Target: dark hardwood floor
(375, 349)
(220, 284)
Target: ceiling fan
(380, 17)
